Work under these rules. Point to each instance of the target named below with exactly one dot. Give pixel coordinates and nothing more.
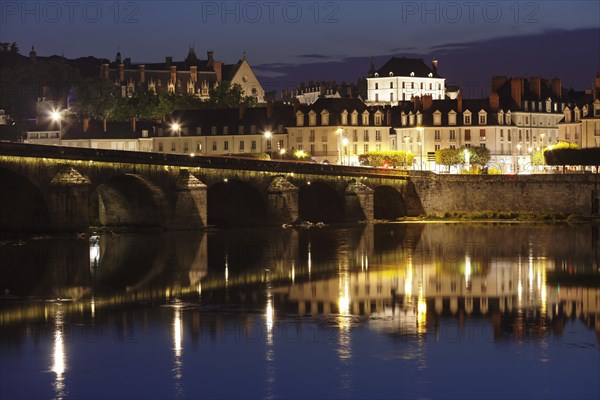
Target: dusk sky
(287, 42)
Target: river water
(403, 310)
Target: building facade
(401, 79)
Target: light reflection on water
(340, 307)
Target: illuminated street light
(176, 127)
(56, 116)
(267, 136)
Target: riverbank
(503, 216)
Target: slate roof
(404, 66)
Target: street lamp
(57, 117)
(281, 153)
(268, 135)
(421, 144)
(345, 147)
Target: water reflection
(405, 282)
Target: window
(366, 135)
(526, 120)
(198, 130)
(467, 134)
(482, 145)
(280, 144)
(242, 145)
(437, 147)
(452, 134)
(312, 148)
(365, 118)
(437, 118)
(324, 118)
(311, 136)
(185, 147)
(482, 119)
(253, 129)
(437, 134)
(378, 135)
(299, 119)
(354, 119)
(501, 134)
(392, 96)
(452, 118)
(376, 86)
(160, 146)
(391, 85)
(376, 96)
(527, 134)
(312, 118)
(354, 135)
(226, 145)
(377, 119)
(324, 138)
(324, 148)
(241, 130)
(213, 130)
(482, 134)
(344, 118)
(299, 138)
(377, 147)
(366, 148)
(354, 149)
(253, 145)
(173, 146)
(452, 146)
(214, 145)
(467, 119)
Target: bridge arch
(320, 202)
(23, 207)
(389, 203)
(233, 202)
(128, 200)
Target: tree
(95, 97)
(478, 155)
(448, 157)
(395, 159)
(226, 95)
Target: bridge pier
(358, 202)
(190, 203)
(68, 200)
(282, 202)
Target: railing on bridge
(197, 161)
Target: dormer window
(437, 117)
(391, 73)
(376, 75)
(365, 118)
(419, 118)
(299, 118)
(430, 75)
(508, 118)
(344, 117)
(378, 118)
(501, 117)
(312, 118)
(577, 114)
(411, 118)
(482, 117)
(452, 117)
(412, 74)
(403, 119)
(354, 118)
(597, 108)
(467, 118)
(324, 117)
(567, 113)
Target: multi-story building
(401, 79)
(334, 130)
(519, 116)
(581, 122)
(192, 75)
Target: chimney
(86, 124)
(416, 103)
(494, 101)
(269, 109)
(596, 89)
(132, 122)
(459, 102)
(535, 87)
(104, 125)
(516, 91)
(388, 117)
(434, 65)
(142, 73)
(104, 71)
(168, 61)
(32, 55)
(427, 102)
(211, 60)
(173, 70)
(498, 81)
(217, 67)
(557, 88)
(121, 72)
(242, 110)
(193, 73)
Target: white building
(401, 79)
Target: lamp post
(176, 127)
(267, 135)
(57, 117)
(421, 144)
(345, 149)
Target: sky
(287, 42)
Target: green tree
(449, 157)
(395, 159)
(478, 155)
(227, 95)
(95, 97)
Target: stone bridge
(52, 188)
